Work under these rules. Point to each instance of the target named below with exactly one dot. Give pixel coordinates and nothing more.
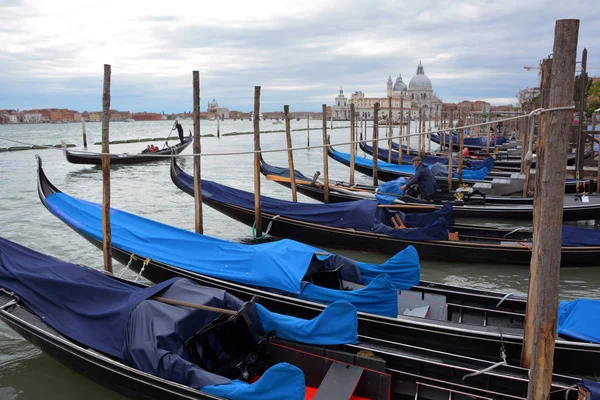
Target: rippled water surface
(146, 190)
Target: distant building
(146, 116)
(406, 100)
(214, 111)
(11, 118)
(525, 96)
(32, 118)
(340, 109)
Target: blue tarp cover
(360, 215)
(573, 236)
(117, 318)
(407, 170)
(580, 320)
(431, 159)
(393, 190)
(278, 265)
(81, 303)
(380, 288)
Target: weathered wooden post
(450, 133)
(450, 161)
(429, 134)
(401, 141)
(524, 128)
(487, 143)
(308, 131)
(391, 130)
(325, 159)
(197, 150)
(288, 137)
(423, 130)
(352, 144)
(443, 133)
(83, 128)
(256, 123)
(408, 134)
(580, 134)
(419, 139)
(106, 232)
(375, 142)
(461, 146)
(542, 304)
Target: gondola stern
(45, 187)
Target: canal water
(147, 190)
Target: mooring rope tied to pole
(535, 112)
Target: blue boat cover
(380, 288)
(406, 170)
(592, 388)
(431, 159)
(118, 318)
(359, 215)
(280, 265)
(392, 190)
(580, 320)
(573, 236)
(81, 303)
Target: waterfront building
(417, 95)
(32, 118)
(214, 111)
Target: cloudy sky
(299, 52)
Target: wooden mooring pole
(580, 134)
(288, 138)
(542, 304)
(325, 159)
(106, 233)
(352, 140)
(407, 135)
(461, 146)
(401, 133)
(84, 135)
(391, 129)
(197, 149)
(450, 161)
(256, 122)
(308, 131)
(419, 130)
(375, 142)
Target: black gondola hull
(96, 159)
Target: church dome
(420, 80)
(399, 86)
(213, 104)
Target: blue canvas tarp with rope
(122, 320)
(280, 265)
(407, 170)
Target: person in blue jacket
(423, 180)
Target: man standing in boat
(423, 183)
(179, 130)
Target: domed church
(417, 95)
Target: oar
(193, 305)
(426, 206)
(172, 129)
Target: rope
(266, 232)
(494, 366)
(513, 231)
(127, 266)
(504, 298)
(144, 265)
(291, 148)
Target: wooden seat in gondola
(229, 346)
(328, 278)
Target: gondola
(389, 172)
(431, 159)
(475, 244)
(470, 205)
(96, 159)
(155, 348)
(473, 322)
(475, 143)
